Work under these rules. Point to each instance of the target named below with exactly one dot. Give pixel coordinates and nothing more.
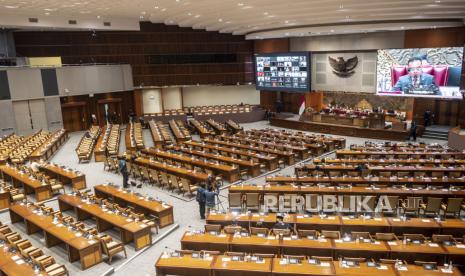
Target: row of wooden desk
(331, 142)
(163, 211)
(377, 249)
(30, 185)
(47, 149)
(219, 129)
(224, 265)
(398, 154)
(194, 176)
(179, 131)
(230, 173)
(345, 224)
(201, 128)
(77, 180)
(390, 161)
(130, 230)
(394, 180)
(13, 264)
(270, 161)
(87, 251)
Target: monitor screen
(420, 72)
(283, 71)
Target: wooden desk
(42, 192)
(288, 157)
(155, 131)
(270, 161)
(421, 252)
(78, 247)
(130, 230)
(76, 179)
(376, 249)
(363, 270)
(47, 149)
(181, 172)
(230, 173)
(331, 142)
(368, 180)
(252, 167)
(307, 247)
(255, 244)
(178, 134)
(4, 199)
(304, 268)
(395, 154)
(184, 265)
(19, 267)
(233, 126)
(224, 265)
(206, 241)
(161, 210)
(219, 129)
(415, 270)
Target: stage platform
(372, 133)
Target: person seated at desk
(280, 224)
(416, 82)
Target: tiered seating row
(86, 144)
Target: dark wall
(159, 54)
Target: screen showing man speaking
(421, 72)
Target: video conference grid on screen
(285, 72)
(421, 72)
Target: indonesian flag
(302, 105)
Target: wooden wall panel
(268, 99)
(271, 45)
(314, 100)
(135, 47)
(443, 37)
(73, 104)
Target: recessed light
(437, 1)
(228, 22)
(11, 7)
(141, 17)
(240, 4)
(143, 12)
(402, 27)
(156, 7)
(189, 13)
(50, 9)
(164, 9)
(98, 16)
(265, 13)
(332, 31)
(286, 22)
(220, 19)
(47, 13)
(286, 34)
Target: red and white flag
(302, 105)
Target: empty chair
(411, 205)
(212, 228)
(432, 206)
(232, 229)
(322, 258)
(312, 203)
(331, 234)
(414, 237)
(453, 206)
(50, 266)
(258, 231)
(367, 204)
(386, 236)
(237, 254)
(112, 248)
(308, 233)
(442, 238)
(235, 200)
(252, 201)
(361, 235)
(281, 232)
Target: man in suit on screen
(416, 82)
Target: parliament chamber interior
(232, 138)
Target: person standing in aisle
(200, 197)
(124, 171)
(210, 197)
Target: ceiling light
(98, 16)
(11, 7)
(286, 22)
(141, 17)
(240, 4)
(402, 27)
(178, 1)
(164, 9)
(189, 13)
(265, 13)
(286, 34)
(228, 22)
(143, 12)
(332, 31)
(50, 9)
(197, 16)
(220, 20)
(437, 1)
(47, 13)
(156, 7)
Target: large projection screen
(420, 72)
